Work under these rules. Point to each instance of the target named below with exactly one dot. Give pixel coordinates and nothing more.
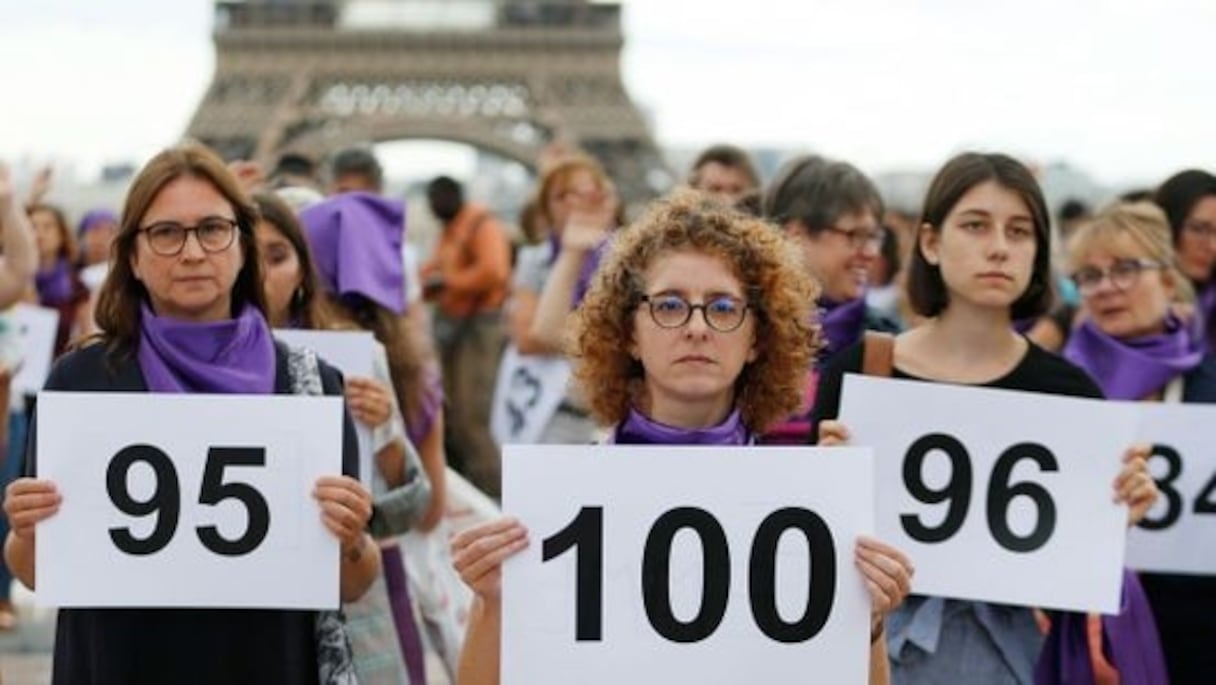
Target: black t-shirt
(1038, 371)
(136, 646)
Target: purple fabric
(430, 401)
(95, 219)
(1023, 326)
(1133, 369)
(231, 356)
(591, 263)
(1205, 321)
(843, 323)
(356, 242)
(401, 605)
(638, 429)
(1129, 643)
(54, 284)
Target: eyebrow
(988, 215)
(708, 294)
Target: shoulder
(847, 360)
(88, 368)
(290, 361)
(1047, 372)
(1200, 382)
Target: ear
(927, 239)
(753, 350)
(134, 262)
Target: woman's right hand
(478, 554)
(29, 501)
(833, 434)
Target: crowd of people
(726, 313)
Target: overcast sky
(1120, 89)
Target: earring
(297, 298)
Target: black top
(1038, 371)
(135, 646)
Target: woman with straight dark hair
(1189, 201)
(182, 311)
(982, 260)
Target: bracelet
(876, 630)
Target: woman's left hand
(346, 507)
(1134, 486)
(369, 401)
(888, 574)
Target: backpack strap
(879, 359)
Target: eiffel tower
(508, 76)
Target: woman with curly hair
(697, 329)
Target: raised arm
(20, 254)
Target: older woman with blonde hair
(698, 329)
(1137, 348)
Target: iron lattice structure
(294, 75)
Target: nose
(697, 324)
(193, 247)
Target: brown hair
(305, 309)
(559, 175)
(121, 295)
(779, 291)
(927, 292)
(67, 241)
(730, 156)
(816, 192)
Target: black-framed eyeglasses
(723, 313)
(168, 238)
(1123, 274)
(860, 238)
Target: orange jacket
(473, 258)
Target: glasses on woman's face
(168, 238)
(861, 239)
(1201, 230)
(1123, 274)
(722, 313)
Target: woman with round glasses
(833, 213)
(1189, 201)
(981, 261)
(1136, 348)
(698, 329)
(182, 311)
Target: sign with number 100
(187, 500)
(680, 563)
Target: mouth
(996, 276)
(695, 359)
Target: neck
(976, 332)
(687, 414)
(279, 319)
(46, 263)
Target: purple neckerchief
(229, 356)
(1205, 314)
(430, 401)
(1133, 369)
(54, 284)
(591, 264)
(1129, 643)
(1023, 326)
(843, 323)
(638, 429)
(356, 244)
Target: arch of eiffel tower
(507, 76)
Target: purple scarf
(638, 429)
(1205, 319)
(1129, 643)
(843, 323)
(1133, 369)
(231, 356)
(591, 264)
(54, 284)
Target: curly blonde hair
(778, 288)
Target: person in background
(692, 278)
(831, 212)
(1189, 201)
(58, 286)
(883, 295)
(725, 172)
(182, 311)
(467, 278)
(1137, 348)
(17, 265)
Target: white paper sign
(38, 327)
(1179, 533)
(187, 500)
(351, 353)
(997, 495)
(686, 564)
(527, 394)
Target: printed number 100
(586, 533)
